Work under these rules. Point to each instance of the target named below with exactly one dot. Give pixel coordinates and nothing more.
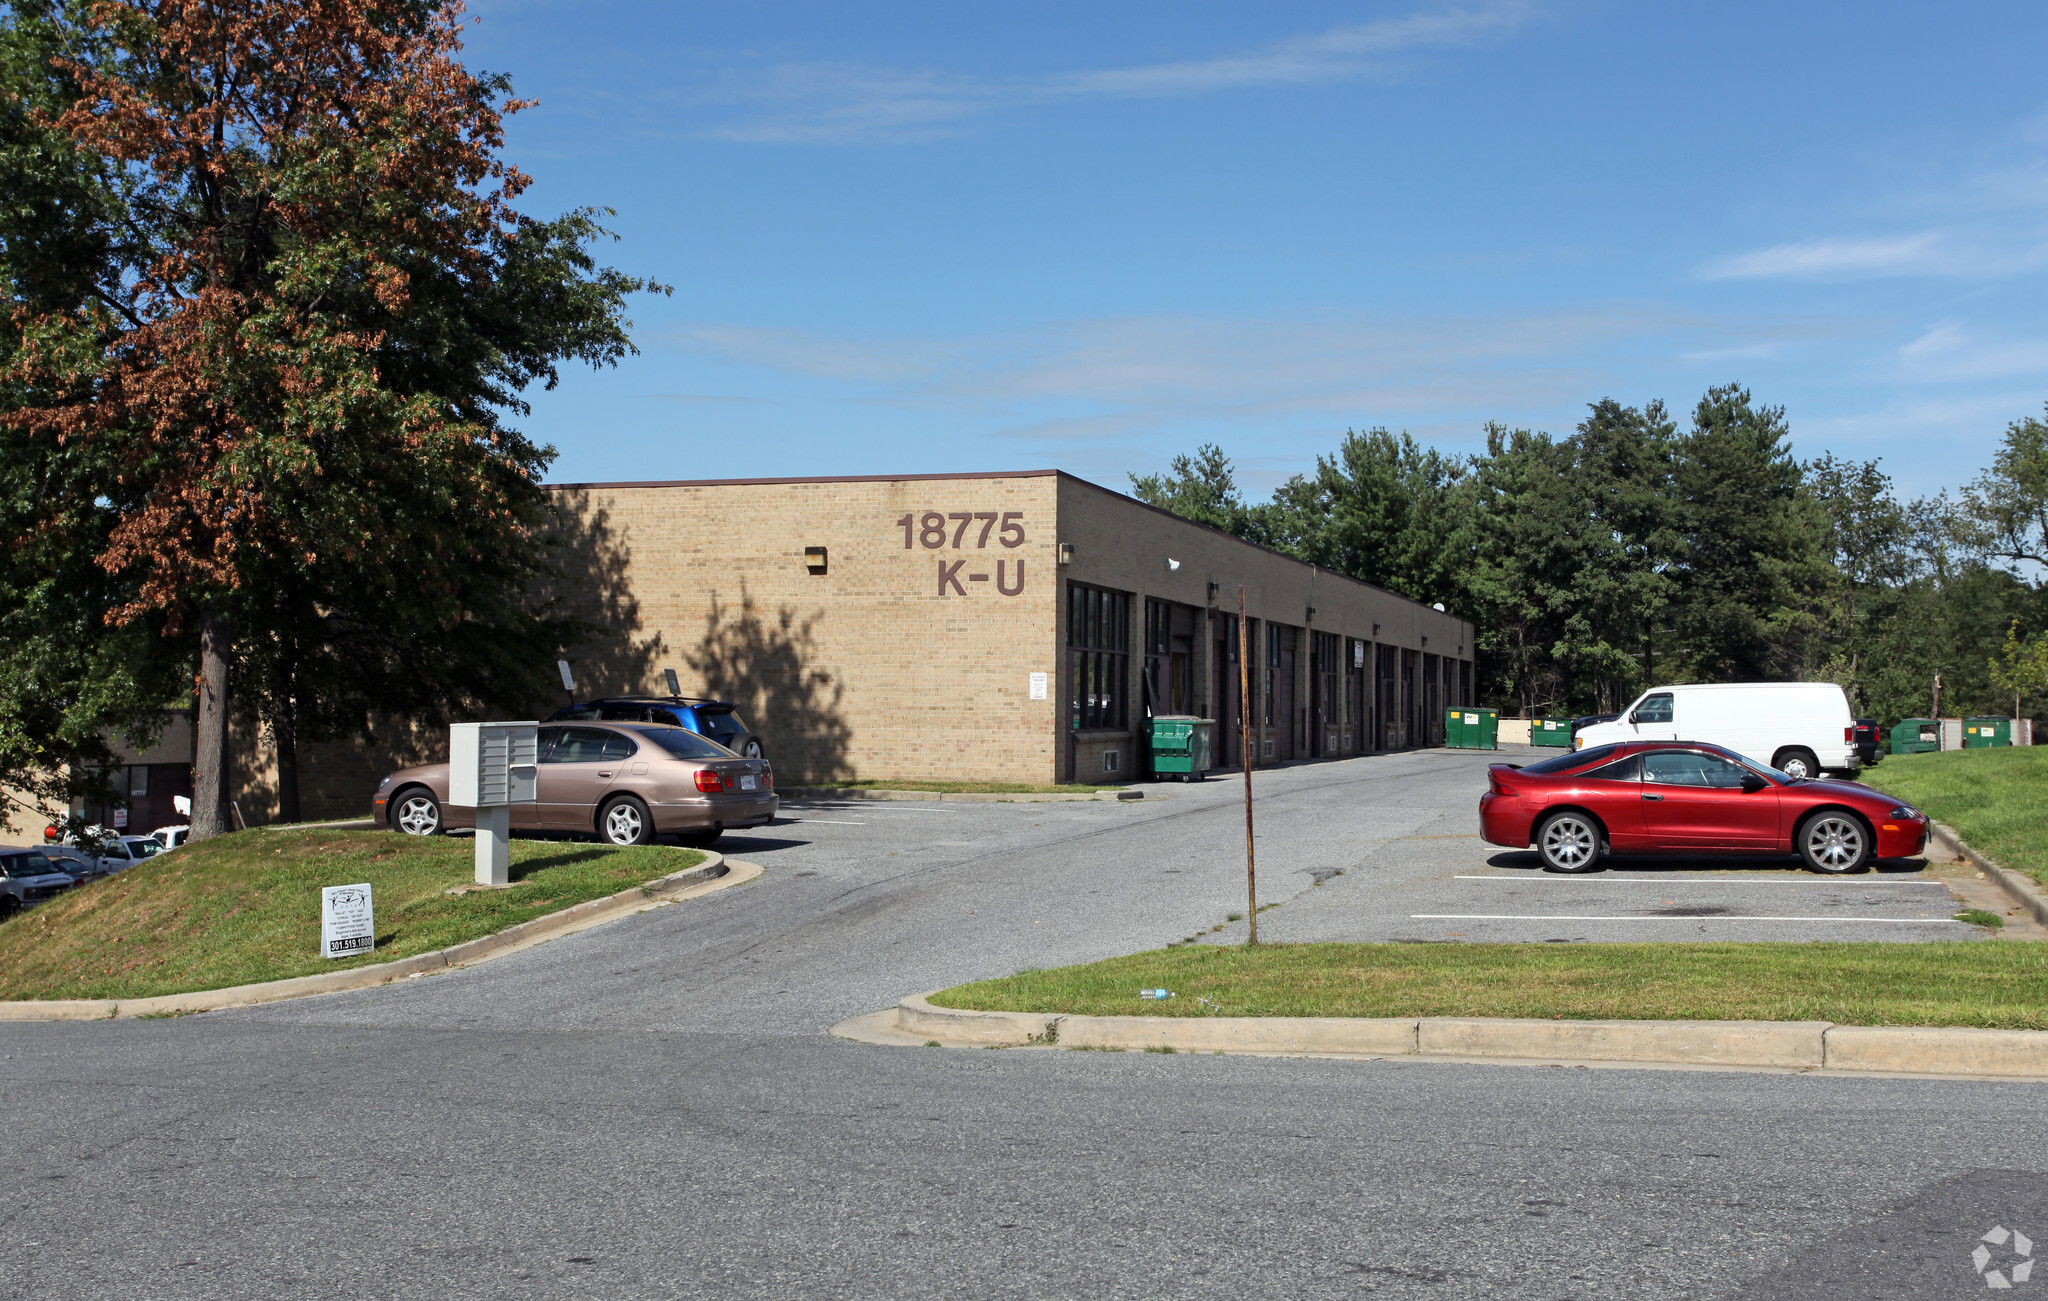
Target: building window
(1271, 689)
(1099, 656)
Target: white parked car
(118, 855)
(1802, 729)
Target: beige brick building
(999, 627)
(1009, 627)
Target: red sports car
(1689, 797)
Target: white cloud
(1905, 254)
(1950, 351)
(854, 103)
(1117, 377)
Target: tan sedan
(625, 783)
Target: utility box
(1916, 736)
(1983, 732)
(1182, 746)
(490, 764)
(1472, 729)
(491, 767)
(1552, 732)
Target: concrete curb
(954, 797)
(1805, 1046)
(716, 872)
(2020, 887)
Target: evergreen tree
(1749, 571)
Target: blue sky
(916, 238)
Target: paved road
(652, 1108)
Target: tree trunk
(210, 736)
(284, 734)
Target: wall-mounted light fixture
(1213, 589)
(1375, 630)
(1066, 553)
(1425, 640)
(814, 559)
(1311, 615)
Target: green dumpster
(1472, 729)
(1983, 731)
(1551, 731)
(1916, 736)
(1181, 746)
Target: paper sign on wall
(346, 923)
(1039, 686)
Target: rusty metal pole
(1244, 736)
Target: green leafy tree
(2008, 504)
(1383, 509)
(1203, 488)
(1750, 558)
(2021, 666)
(283, 369)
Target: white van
(1800, 728)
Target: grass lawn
(1967, 983)
(246, 907)
(1994, 797)
(959, 788)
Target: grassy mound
(1962, 983)
(1993, 797)
(246, 907)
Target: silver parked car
(27, 878)
(625, 783)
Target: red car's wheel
(1834, 842)
(1569, 842)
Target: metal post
(1244, 734)
(494, 845)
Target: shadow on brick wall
(764, 665)
(593, 560)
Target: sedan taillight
(709, 781)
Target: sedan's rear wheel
(1569, 842)
(417, 813)
(1835, 843)
(624, 821)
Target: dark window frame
(1098, 658)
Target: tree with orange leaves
(284, 377)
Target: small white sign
(346, 922)
(120, 819)
(1039, 686)
(1471, 718)
(1358, 655)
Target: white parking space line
(827, 821)
(1656, 917)
(847, 808)
(1690, 880)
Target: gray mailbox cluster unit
(491, 767)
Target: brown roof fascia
(832, 478)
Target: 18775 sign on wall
(969, 530)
